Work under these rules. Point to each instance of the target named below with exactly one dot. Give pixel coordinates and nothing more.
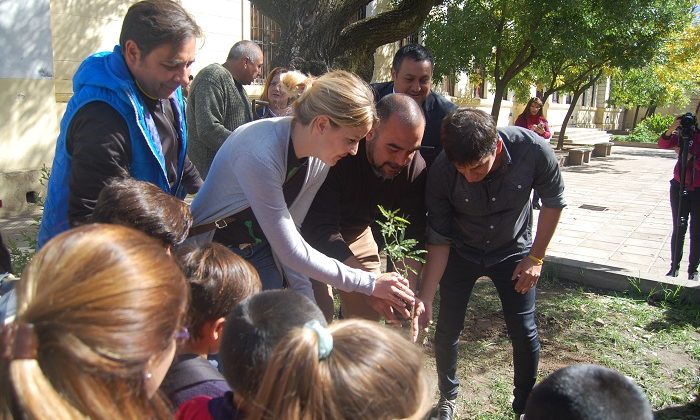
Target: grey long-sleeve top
(249, 170)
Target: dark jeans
(260, 256)
(690, 207)
(519, 313)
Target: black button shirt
(490, 221)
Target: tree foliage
(560, 45)
(318, 35)
(603, 39)
(669, 78)
(503, 36)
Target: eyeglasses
(181, 335)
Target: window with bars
(266, 33)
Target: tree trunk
(636, 113)
(546, 95)
(569, 112)
(318, 35)
(577, 94)
(498, 98)
(651, 110)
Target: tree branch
(386, 27)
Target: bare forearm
(435, 263)
(546, 226)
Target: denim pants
(260, 256)
(518, 310)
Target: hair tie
(18, 341)
(325, 339)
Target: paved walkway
(617, 225)
(618, 220)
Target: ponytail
(370, 372)
(295, 382)
(34, 396)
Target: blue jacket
(106, 77)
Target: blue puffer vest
(106, 77)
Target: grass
(657, 344)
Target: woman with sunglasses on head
(533, 119)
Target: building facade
(50, 38)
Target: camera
(688, 120)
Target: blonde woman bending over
(98, 315)
(265, 176)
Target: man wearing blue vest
(126, 117)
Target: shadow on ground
(690, 411)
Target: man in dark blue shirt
(412, 74)
(480, 224)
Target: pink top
(692, 175)
(533, 120)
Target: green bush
(649, 129)
(641, 134)
(657, 123)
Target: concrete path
(617, 226)
(16, 230)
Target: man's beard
(379, 170)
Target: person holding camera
(690, 206)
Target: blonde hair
(371, 372)
(103, 299)
(343, 97)
(294, 83)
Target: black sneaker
(693, 276)
(673, 272)
(445, 409)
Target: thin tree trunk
(636, 113)
(498, 98)
(651, 110)
(569, 112)
(546, 95)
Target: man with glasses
(218, 104)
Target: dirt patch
(657, 348)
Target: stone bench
(579, 156)
(602, 149)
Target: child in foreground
(218, 280)
(354, 369)
(250, 334)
